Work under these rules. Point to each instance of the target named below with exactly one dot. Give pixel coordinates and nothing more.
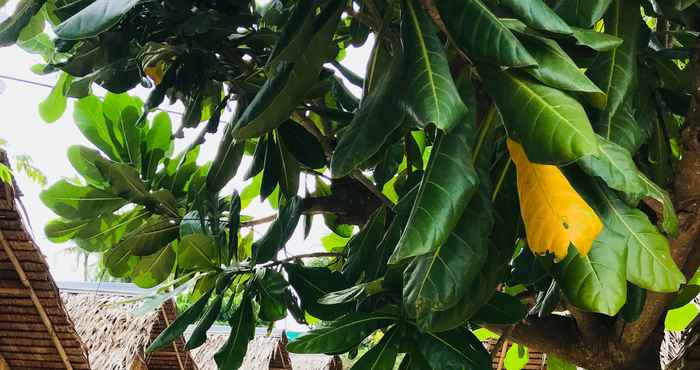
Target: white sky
(47, 144)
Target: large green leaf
(442, 196)
(615, 71)
(150, 237)
(79, 202)
(94, 19)
(157, 144)
(295, 35)
(53, 107)
(431, 95)
(178, 327)
(341, 335)
(199, 334)
(197, 251)
(83, 160)
(154, 269)
(242, 323)
(375, 122)
(502, 309)
(477, 30)
(271, 288)
(457, 349)
(598, 41)
(225, 164)
(596, 282)
(363, 245)
(94, 234)
(438, 280)
(280, 231)
(649, 262)
(11, 27)
(582, 13)
(282, 92)
(302, 145)
(312, 283)
(538, 15)
(289, 171)
(382, 355)
(516, 357)
(89, 118)
(555, 67)
(614, 165)
(551, 125)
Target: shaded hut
(35, 330)
(265, 352)
(116, 337)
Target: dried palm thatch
(35, 330)
(264, 351)
(116, 337)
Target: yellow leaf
(554, 214)
(155, 72)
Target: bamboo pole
(174, 343)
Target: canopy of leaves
(418, 162)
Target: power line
(49, 86)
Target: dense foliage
(505, 156)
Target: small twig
(259, 221)
(300, 256)
(501, 342)
(357, 175)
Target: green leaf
(154, 269)
(555, 363)
(294, 36)
(88, 116)
(538, 15)
(527, 269)
(484, 37)
(438, 280)
(556, 68)
(685, 295)
(53, 107)
(83, 160)
(516, 357)
(123, 179)
(157, 145)
(362, 247)
(289, 171)
(79, 202)
(11, 27)
(614, 165)
(382, 355)
(636, 298)
(457, 349)
(341, 335)
(598, 41)
(582, 13)
(502, 309)
(94, 19)
(301, 144)
(199, 334)
(280, 231)
(596, 282)
(242, 323)
(615, 71)
(197, 251)
(442, 196)
(282, 92)
(551, 125)
(431, 95)
(680, 318)
(649, 262)
(312, 283)
(150, 237)
(96, 234)
(178, 327)
(228, 158)
(374, 124)
(270, 294)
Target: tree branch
(300, 256)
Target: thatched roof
(35, 330)
(116, 338)
(264, 352)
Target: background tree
(487, 130)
